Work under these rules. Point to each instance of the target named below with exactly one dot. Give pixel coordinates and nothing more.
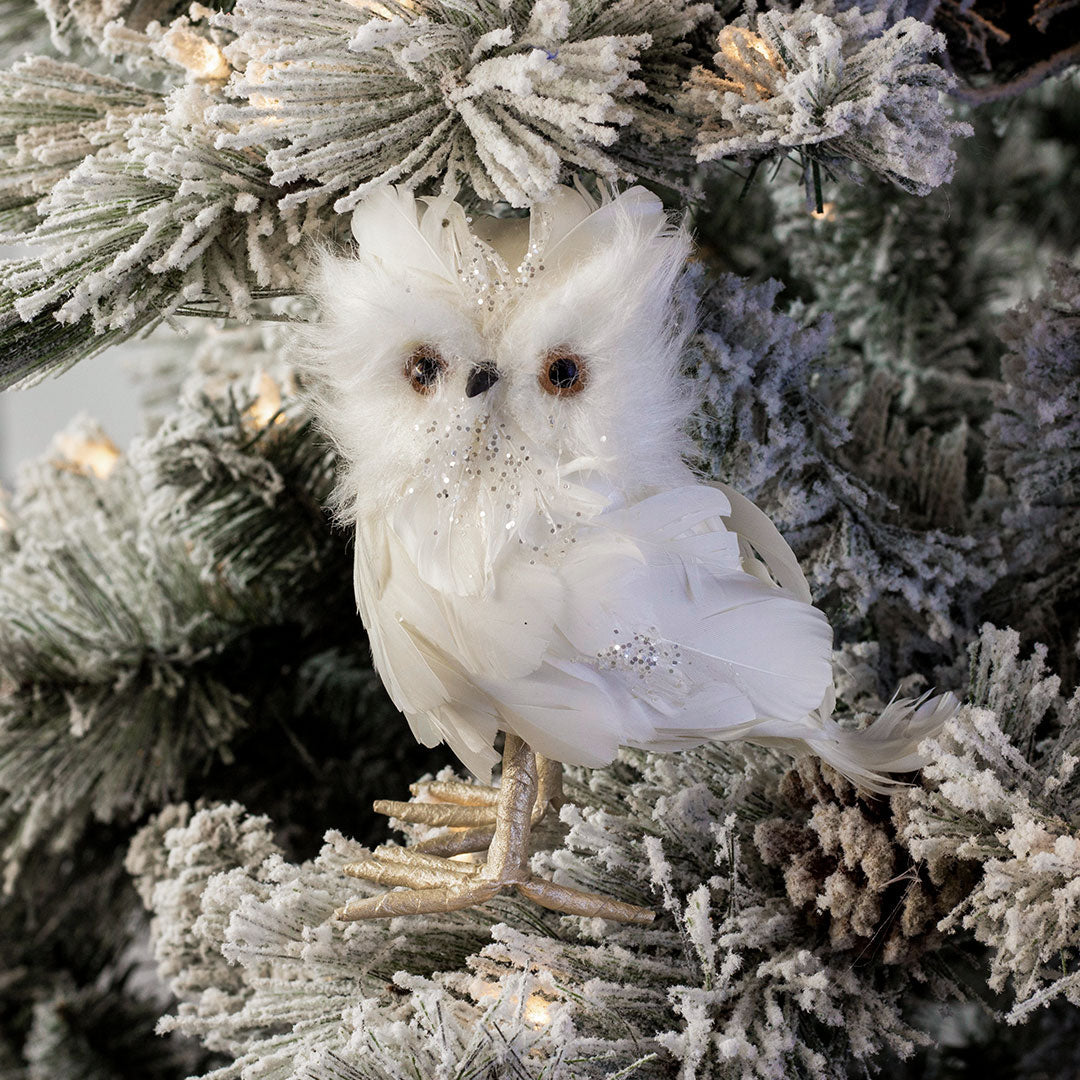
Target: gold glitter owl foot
(437, 884)
(467, 812)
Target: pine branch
(837, 85)
(246, 484)
(43, 346)
(504, 100)
(1004, 794)
(804, 432)
(103, 1033)
(55, 114)
(23, 28)
(134, 233)
(541, 997)
(110, 642)
(1034, 446)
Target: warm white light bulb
(200, 56)
(537, 1011)
(89, 454)
(267, 404)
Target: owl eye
(563, 373)
(424, 368)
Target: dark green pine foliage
(183, 626)
(797, 426)
(1034, 446)
(869, 449)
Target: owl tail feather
(889, 745)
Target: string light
(94, 454)
(266, 408)
(750, 60)
(826, 213)
(201, 57)
(537, 1011)
(537, 1007)
(265, 101)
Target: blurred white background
(101, 387)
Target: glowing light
(96, 454)
(750, 60)
(481, 989)
(265, 101)
(736, 41)
(826, 213)
(537, 1011)
(761, 47)
(201, 57)
(537, 1007)
(266, 408)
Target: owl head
(487, 367)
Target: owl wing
(669, 636)
(648, 632)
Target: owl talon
(455, 791)
(434, 883)
(466, 811)
(446, 815)
(456, 842)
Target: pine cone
(846, 867)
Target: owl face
(507, 373)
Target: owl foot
(467, 812)
(437, 884)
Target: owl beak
(482, 377)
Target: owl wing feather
(746, 649)
(757, 532)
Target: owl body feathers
(541, 562)
(637, 626)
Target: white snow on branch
(160, 220)
(1009, 800)
(838, 86)
(348, 96)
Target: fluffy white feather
(545, 563)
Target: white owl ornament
(533, 555)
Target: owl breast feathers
(532, 553)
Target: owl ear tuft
(391, 225)
(633, 219)
(623, 258)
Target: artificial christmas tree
(884, 357)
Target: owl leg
(436, 884)
(550, 795)
(467, 812)
(508, 856)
